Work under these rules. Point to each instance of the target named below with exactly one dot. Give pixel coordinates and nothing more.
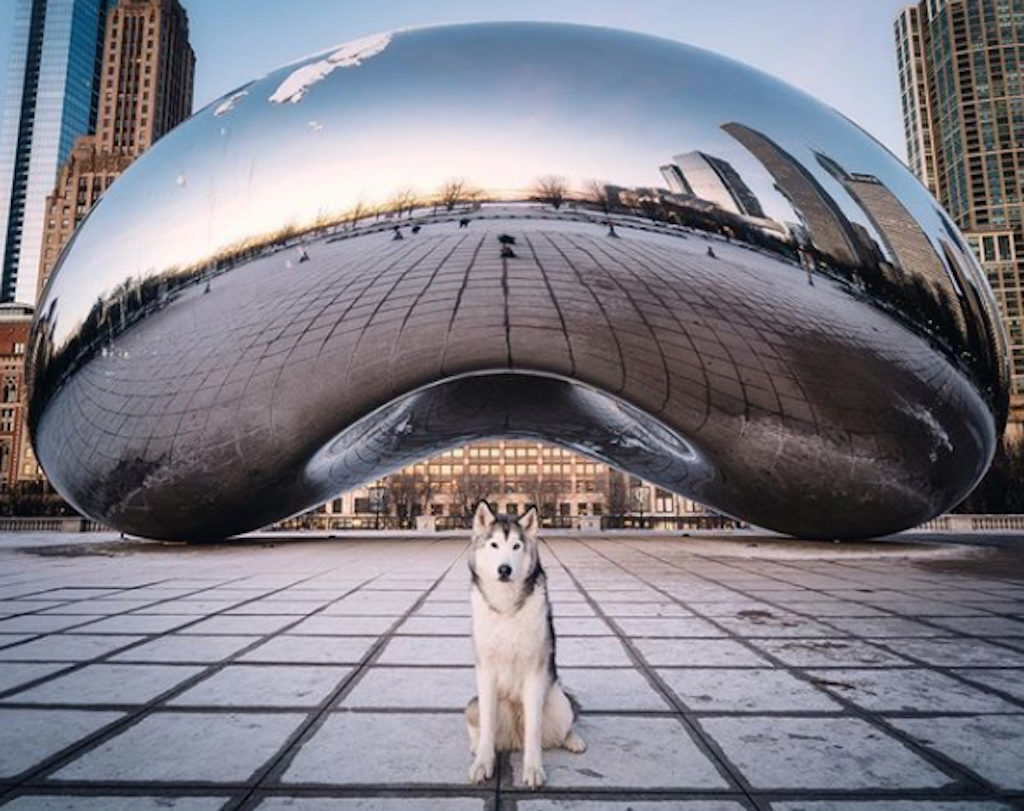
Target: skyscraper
(52, 97)
(962, 88)
(714, 179)
(146, 89)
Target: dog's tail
(573, 702)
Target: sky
(842, 52)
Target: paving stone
(991, 745)
(581, 626)
(43, 623)
(698, 653)
(958, 652)
(107, 684)
(983, 626)
(206, 747)
(433, 650)
(1008, 680)
(444, 609)
(606, 651)
(28, 737)
(668, 627)
(292, 608)
(628, 805)
(646, 610)
(827, 652)
(458, 626)
(314, 650)
(902, 690)
(565, 609)
(136, 624)
(107, 803)
(611, 689)
(321, 625)
(183, 649)
(745, 690)
(825, 609)
(776, 624)
(372, 804)
(826, 754)
(222, 625)
(13, 674)
(6, 640)
(889, 805)
(413, 687)
(879, 627)
(264, 686)
(192, 607)
(70, 648)
(384, 748)
(629, 753)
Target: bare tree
(596, 192)
(473, 487)
(402, 201)
(407, 492)
(618, 492)
(550, 189)
(357, 212)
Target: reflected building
(147, 80)
(51, 98)
(963, 116)
(709, 178)
(902, 235)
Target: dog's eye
(517, 546)
(494, 544)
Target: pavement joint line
(59, 759)
(952, 768)
(273, 770)
(710, 748)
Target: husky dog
(519, 703)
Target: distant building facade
(52, 97)
(512, 475)
(17, 461)
(146, 86)
(962, 91)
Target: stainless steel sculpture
(618, 243)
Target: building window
(19, 349)
(10, 392)
(6, 420)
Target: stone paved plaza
(715, 674)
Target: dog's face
(504, 547)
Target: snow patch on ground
(349, 55)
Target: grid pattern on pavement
(333, 675)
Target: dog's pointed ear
(529, 523)
(483, 518)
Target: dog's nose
(504, 571)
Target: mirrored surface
(618, 243)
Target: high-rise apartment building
(961, 73)
(145, 90)
(51, 98)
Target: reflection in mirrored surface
(619, 243)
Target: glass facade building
(51, 98)
(961, 72)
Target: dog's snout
(504, 571)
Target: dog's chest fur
(512, 642)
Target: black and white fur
(519, 703)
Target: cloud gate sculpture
(624, 245)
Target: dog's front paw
(482, 769)
(533, 775)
